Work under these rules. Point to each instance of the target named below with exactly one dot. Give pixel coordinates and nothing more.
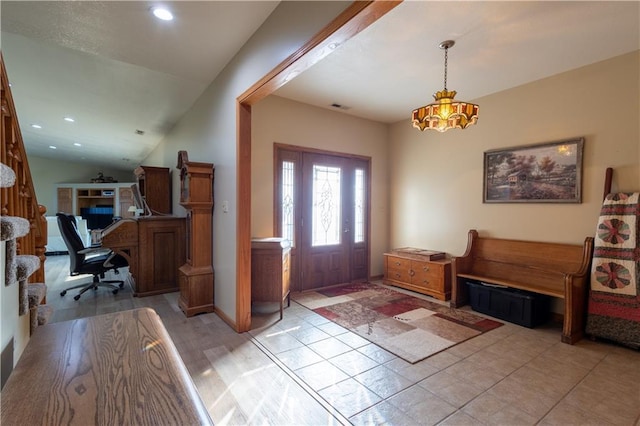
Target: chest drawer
(414, 272)
(427, 275)
(397, 268)
(398, 263)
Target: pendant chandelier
(445, 113)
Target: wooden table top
(113, 369)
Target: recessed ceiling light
(77, 144)
(36, 126)
(162, 13)
(53, 147)
(69, 119)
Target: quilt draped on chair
(614, 297)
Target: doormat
(409, 327)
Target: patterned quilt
(614, 296)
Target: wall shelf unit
(108, 199)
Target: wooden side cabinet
(418, 273)
(270, 271)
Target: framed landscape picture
(542, 173)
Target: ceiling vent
(340, 106)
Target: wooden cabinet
(155, 187)
(196, 275)
(418, 273)
(65, 201)
(270, 271)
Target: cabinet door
(162, 252)
(286, 272)
(398, 269)
(65, 201)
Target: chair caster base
(121, 285)
(77, 297)
(62, 293)
(115, 291)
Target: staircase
(20, 267)
(23, 233)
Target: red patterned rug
(409, 327)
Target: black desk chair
(85, 261)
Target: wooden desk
(113, 369)
(154, 246)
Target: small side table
(270, 271)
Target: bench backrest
(563, 258)
(544, 267)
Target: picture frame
(548, 172)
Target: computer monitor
(141, 206)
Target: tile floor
(307, 370)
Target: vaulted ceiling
(117, 71)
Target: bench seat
(553, 269)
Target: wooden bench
(113, 369)
(558, 270)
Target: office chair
(85, 261)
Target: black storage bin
(517, 306)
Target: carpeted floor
(410, 327)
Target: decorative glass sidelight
(288, 202)
(326, 207)
(358, 232)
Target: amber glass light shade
(445, 113)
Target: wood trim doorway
(358, 16)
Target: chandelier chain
(446, 57)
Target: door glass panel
(358, 232)
(288, 202)
(326, 206)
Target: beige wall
(279, 120)
(208, 130)
(47, 173)
(436, 178)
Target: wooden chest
(411, 270)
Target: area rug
(409, 327)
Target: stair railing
(20, 199)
